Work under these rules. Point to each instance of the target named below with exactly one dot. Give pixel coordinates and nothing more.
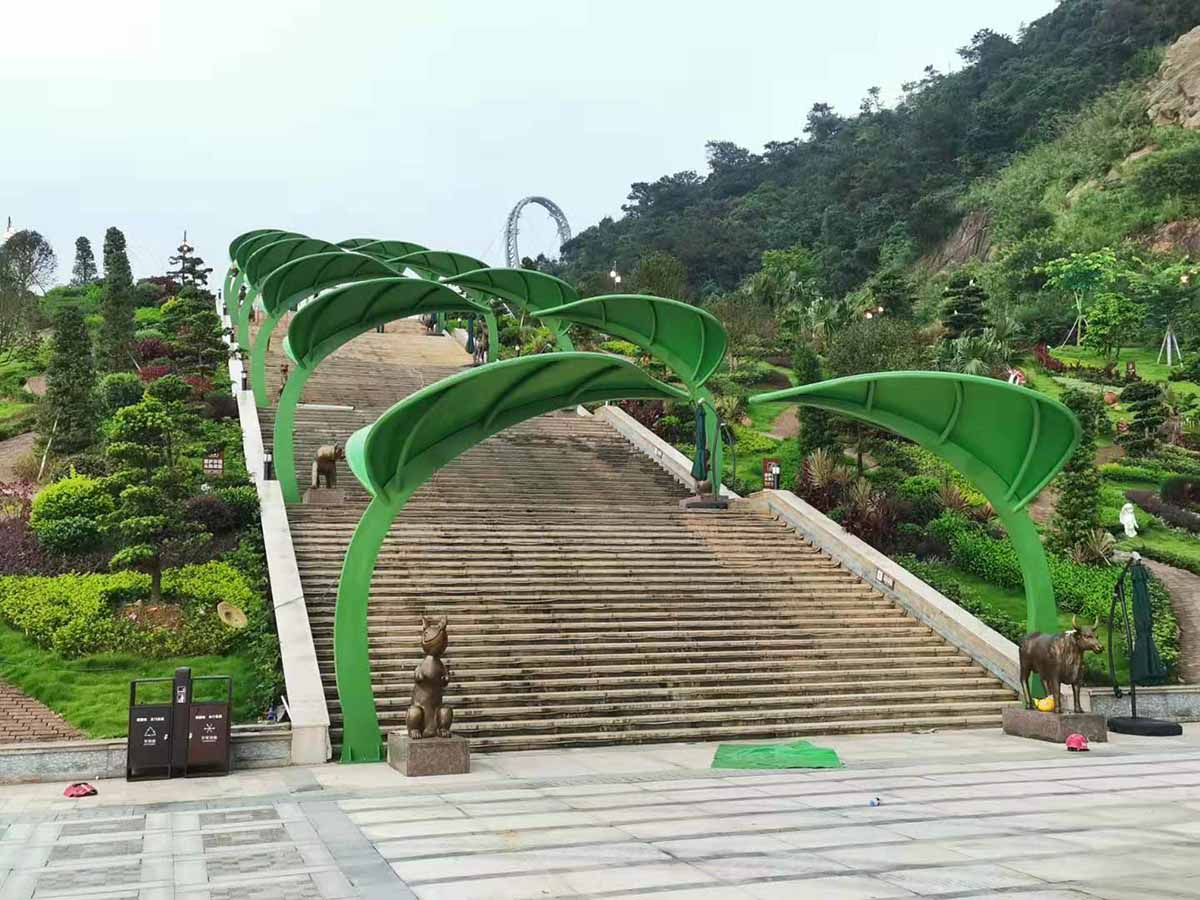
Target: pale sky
(422, 122)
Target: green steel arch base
(1007, 440)
(409, 443)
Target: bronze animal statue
(1057, 659)
(427, 716)
(481, 346)
(325, 465)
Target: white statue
(1129, 520)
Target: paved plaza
(961, 814)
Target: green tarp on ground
(796, 755)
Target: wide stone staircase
(586, 608)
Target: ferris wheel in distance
(512, 256)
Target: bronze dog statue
(1057, 659)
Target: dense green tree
(67, 423)
(816, 430)
(892, 294)
(1077, 513)
(116, 309)
(194, 330)
(1113, 320)
(27, 262)
(1149, 410)
(84, 271)
(964, 307)
(661, 275)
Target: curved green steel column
(1007, 440)
(334, 318)
(241, 255)
(527, 289)
(295, 281)
(689, 341)
(410, 442)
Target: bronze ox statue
(1057, 659)
(428, 716)
(325, 465)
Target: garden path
(11, 453)
(24, 719)
(1184, 588)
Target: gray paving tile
(952, 879)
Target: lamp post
(615, 276)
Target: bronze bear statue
(325, 465)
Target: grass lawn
(1145, 358)
(1165, 539)
(1012, 603)
(92, 693)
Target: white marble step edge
(305, 694)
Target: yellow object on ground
(1045, 704)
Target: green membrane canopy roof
(388, 249)
(247, 248)
(242, 238)
(355, 243)
(269, 257)
(306, 275)
(427, 429)
(1008, 440)
(345, 312)
(526, 288)
(689, 340)
(437, 263)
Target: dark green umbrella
(700, 466)
(1146, 666)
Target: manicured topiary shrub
(920, 493)
(118, 390)
(68, 516)
(211, 513)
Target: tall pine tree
(116, 309)
(964, 310)
(1077, 513)
(68, 418)
(816, 431)
(84, 272)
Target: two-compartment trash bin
(184, 737)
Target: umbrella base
(1140, 725)
(705, 501)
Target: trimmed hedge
(75, 615)
(1077, 588)
(1168, 512)
(67, 516)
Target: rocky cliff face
(1175, 98)
(971, 240)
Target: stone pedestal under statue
(705, 501)
(1048, 726)
(428, 756)
(318, 496)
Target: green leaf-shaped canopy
(355, 243)
(437, 263)
(247, 248)
(424, 431)
(389, 249)
(1008, 440)
(285, 287)
(530, 290)
(245, 236)
(689, 340)
(345, 312)
(269, 257)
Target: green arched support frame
(407, 444)
(526, 289)
(334, 318)
(265, 260)
(444, 265)
(293, 282)
(688, 340)
(233, 247)
(237, 260)
(241, 256)
(386, 250)
(1008, 441)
